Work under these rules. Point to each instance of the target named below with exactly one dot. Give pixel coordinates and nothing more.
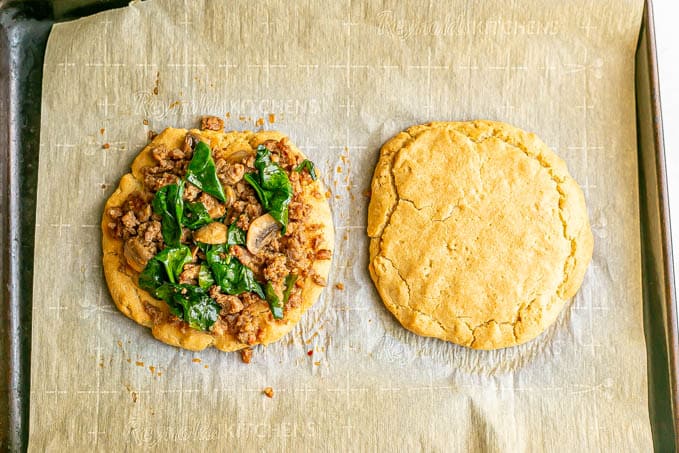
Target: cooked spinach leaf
(200, 310)
(205, 279)
(229, 273)
(202, 173)
(173, 260)
(274, 301)
(168, 203)
(216, 257)
(152, 276)
(189, 303)
(235, 235)
(289, 283)
(249, 282)
(272, 186)
(164, 292)
(164, 267)
(195, 215)
(253, 180)
(308, 166)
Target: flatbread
(144, 309)
(478, 234)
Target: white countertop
(666, 13)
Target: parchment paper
(340, 78)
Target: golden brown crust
(141, 307)
(478, 233)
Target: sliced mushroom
(239, 156)
(262, 230)
(136, 253)
(230, 196)
(190, 142)
(212, 233)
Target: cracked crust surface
(478, 234)
(144, 309)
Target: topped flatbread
(478, 234)
(217, 238)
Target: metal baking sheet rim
(15, 138)
(647, 37)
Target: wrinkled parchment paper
(340, 78)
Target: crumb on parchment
(211, 123)
(268, 392)
(246, 355)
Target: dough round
(478, 234)
(140, 306)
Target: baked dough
(141, 307)
(478, 234)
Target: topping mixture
(218, 238)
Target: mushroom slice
(190, 142)
(262, 230)
(230, 196)
(239, 156)
(212, 233)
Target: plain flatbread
(478, 234)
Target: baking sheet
(340, 80)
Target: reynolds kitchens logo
(404, 28)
